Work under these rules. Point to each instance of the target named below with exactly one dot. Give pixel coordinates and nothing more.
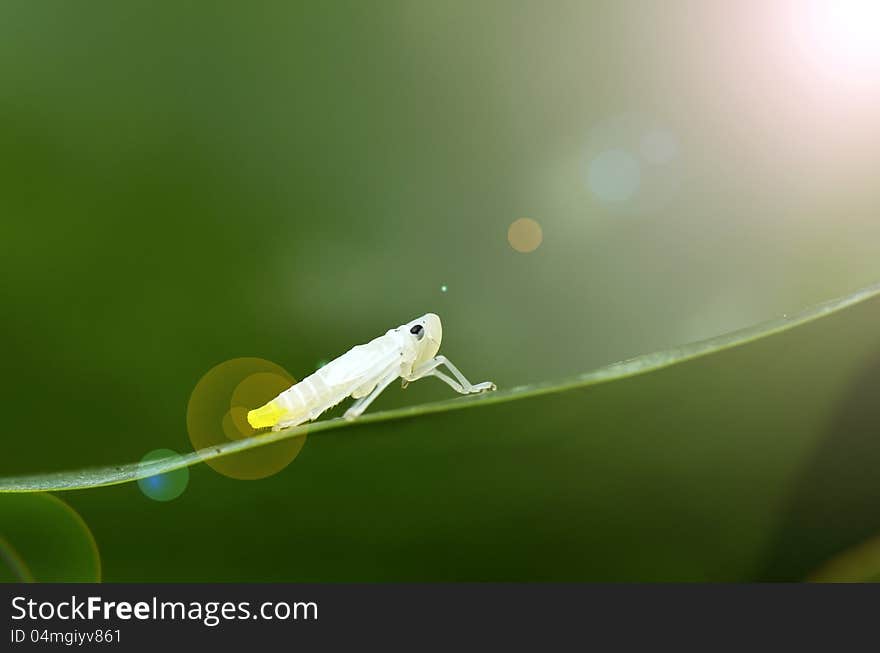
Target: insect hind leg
(358, 407)
(460, 383)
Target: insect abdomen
(355, 370)
(300, 403)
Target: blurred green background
(190, 182)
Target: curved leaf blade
(640, 365)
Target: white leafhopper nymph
(408, 352)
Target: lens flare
(614, 176)
(167, 486)
(13, 568)
(658, 146)
(844, 36)
(217, 414)
(43, 539)
(525, 235)
(633, 164)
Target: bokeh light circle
(615, 175)
(633, 163)
(525, 235)
(658, 146)
(43, 539)
(217, 414)
(13, 568)
(166, 486)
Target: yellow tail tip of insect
(265, 416)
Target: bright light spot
(525, 235)
(321, 363)
(614, 176)
(444, 288)
(658, 146)
(844, 35)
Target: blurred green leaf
(858, 564)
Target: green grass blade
(113, 475)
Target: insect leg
(460, 384)
(363, 403)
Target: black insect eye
(418, 331)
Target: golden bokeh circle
(525, 235)
(217, 414)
